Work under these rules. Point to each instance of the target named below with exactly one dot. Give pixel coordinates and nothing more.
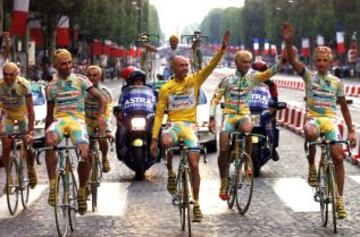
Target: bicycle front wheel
(187, 199)
(180, 190)
(322, 195)
(332, 194)
(95, 181)
(12, 186)
(61, 204)
(244, 183)
(24, 182)
(73, 205)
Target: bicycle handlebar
(327, 142)
(55, 148)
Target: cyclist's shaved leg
(338, 158)
(6, 144)
(246, 127)
(194, 158)
(311, 134)
(167, 141)
(223, 162)
(84, 167)
(52, 139)
(104, 147)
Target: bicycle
(66, 187)
(326, 190)
(241, 178)
(17, 172)
(96, 168)
(196, 58)
(183, 198)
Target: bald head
(10, 72)
(180, 66)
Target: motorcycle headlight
(138, 123)
(255, 118)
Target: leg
(312, 132)
(167, 142)
(84, 167)
(223, 164)
(6, 147)
(30, 157)
(194, 158)
(338, 159)
(104, 148)
(246, 127)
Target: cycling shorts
(93, 124)
(8, 124)
(73, 126)
(186, 131)
(232, 120)
(325, 126)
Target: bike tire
(232, 192)
(24, 182)
(12, 189)
(332, 194)
(322, 194)
(187, 194)
(95, 181)
(245, 181)
(61, 205)
(180, 198)
(72, 195)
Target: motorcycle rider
(236, 89)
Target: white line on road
(34, 195)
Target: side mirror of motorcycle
(281, 105)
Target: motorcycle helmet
(125, 73)
(137, 74)
(259, 66)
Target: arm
(206, 71)
(218, 94)
(159, 114)
(273, 89)
(264, 76)
(288, 38)
(102, 102)
(31, 114)
(347, 118)
(7, 45)
(50, 114)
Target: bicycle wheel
(180, 186)
(12, 186)
(332, 194)
(95, 182)
(231, 191)
(321, 192)
(61, 204)
(244, 179)
(73, 205)
(24, 182)
(187, 199)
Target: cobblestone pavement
(147, 209)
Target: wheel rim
(12, 189)
(244, 186)
(24, 184)
(332, 195)
(73, 205)
(61, 206)
(322, 196)
(231, 192)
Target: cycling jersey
(68, 95)
(13, 99)
(321, 93)
(169, 53)
(180, 97)
(236, 90)
(92, 106)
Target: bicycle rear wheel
(322, 195)
(244, 183)
(332, 194)
(12, 186)
(73, 205)
(61, 204)
(95, 181)
(24, 182)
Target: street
(282, 202)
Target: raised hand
(226, 39)
(287, 31)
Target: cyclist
(323, 90)
(236, 89)
(179, 96)
(17, 103)
(94, 73)
(66, 115)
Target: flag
(35, 32)
(256, 46)
(266, 46)
(320, 40)
(19, 17)
(96, 48)
(62, 32)
(340, 42)
(305, 44)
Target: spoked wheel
(187, 204)
(322, 195)
(24, 183)
(332, 195)
(95, 181)
(244, 183)
(180, 186)
(61, 205)
(231, 191)
(12, 187)
(73, 204)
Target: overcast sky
(176, 14)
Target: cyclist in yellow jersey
(66, 115)
(179, 96)
(323, 90)
(92, 113)
(17, 104)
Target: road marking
(112, 200)
(295, 193)
(356, 178)
(34, 195)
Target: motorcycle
(135, 115)
(265, 131)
